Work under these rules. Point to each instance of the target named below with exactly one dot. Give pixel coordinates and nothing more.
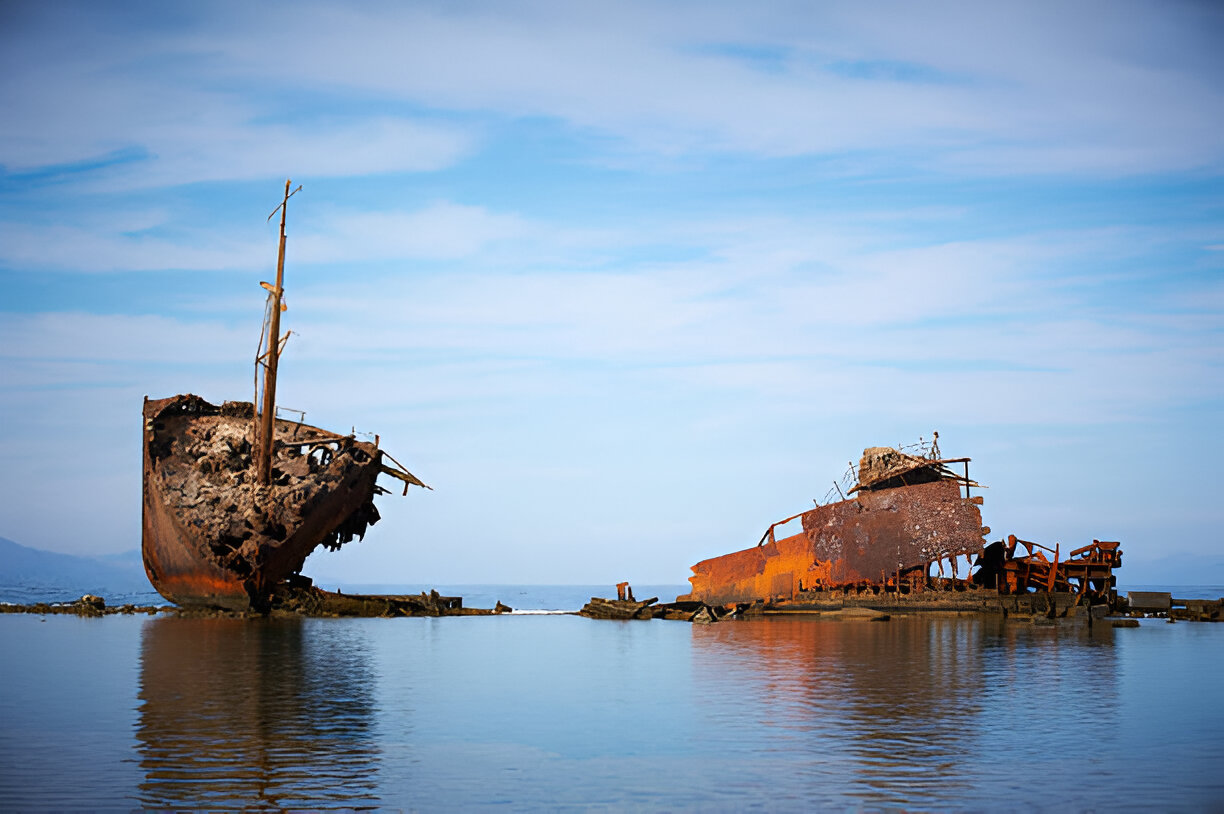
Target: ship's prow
(211, 534)
(235, 498)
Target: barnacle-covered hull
(211, 535)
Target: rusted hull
(874, 538)
(210, 535)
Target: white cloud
(134, 102)
(142, 241)
(998, 89)
(90, 248)
(1013, 88)
(443, 230)
(803, 306)
(120, 338)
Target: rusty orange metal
(1086, 570)
(235, 498)
(211, 534)
(874, 538)
(907, 516)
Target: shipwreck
(909, 527)
(235, 497)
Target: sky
(625, 282)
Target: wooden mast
(267, 412)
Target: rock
(858, 613)
(599, 608)
(1149, 601)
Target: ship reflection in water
(558, 712)
(893, 713)
(239, 713)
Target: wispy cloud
(999, 90)
(441, 231)
(120, 99)
(835, 314)
(119, 338)
(82, 248)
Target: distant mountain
(32, 575)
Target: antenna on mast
(270, 345)
(281, 205)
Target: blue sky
(624, 282)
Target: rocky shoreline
(1040, 608)
(287, 601)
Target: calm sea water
(557, 712)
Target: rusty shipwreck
(235, 498)
(908, 526)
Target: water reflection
(255, 714)
(894, 712)
(1062, 680)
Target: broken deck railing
(399, 472)
(1091, 567)
(322, 445)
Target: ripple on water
(560, 712)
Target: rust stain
(865, 540)
(235, 498)
(212, 534)
(907, 519)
